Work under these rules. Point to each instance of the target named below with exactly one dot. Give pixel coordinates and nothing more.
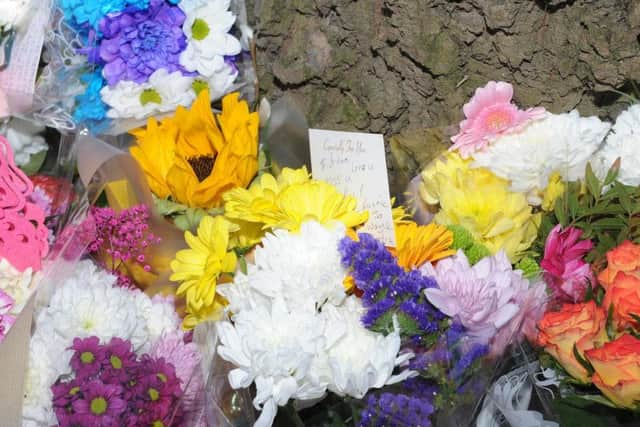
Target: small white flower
(25, 139)
(207, 27)
(562, 143)
(163, 93)
(623, 142)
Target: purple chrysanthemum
(100, 405)
(138, 42)
(119, 359)
(87, 358)
(64, 394)
(389, 290)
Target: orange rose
(617, 370)
(582, 325)
(625, 258)
(624, 294)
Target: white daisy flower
(163, 93)
(25, 139)
(623, 142)
(561, 143)
(207, 27)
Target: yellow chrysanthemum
(195, 159)
(199, 268)
(554, 190)
(417, 244)
(318, 201)
(400, 214)
(481, 203)
(291, 199)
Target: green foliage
(462, 239)
(184, 217)
(607, 212)
(530, 268)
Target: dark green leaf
(560, 213)
(609, 223)
(593, 184)
(612, 173)
(623, 196)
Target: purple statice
(122, 238)
(462, 368)
(136, 43)
(388, 290)
(88, 357)
(396, 410)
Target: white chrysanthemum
(301, 267)
(360, 359)
(19, 285)
(561, 143)
(275, 348)
(623, 142)
(25, 139)
(13, 12)
(207, 27)
(163, 93)
(87, 304)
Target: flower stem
(293, 415)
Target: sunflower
(199, 268)
(193, 158)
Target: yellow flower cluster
(289, 200)
(482, 203)
(208, 260)
(417, 244)
(193, 158)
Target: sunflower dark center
(202, 166)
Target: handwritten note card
(355, 163)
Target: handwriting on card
(355, 163)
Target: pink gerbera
(489, 114)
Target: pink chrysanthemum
(489, 114)
(100, 406)
(565, 272)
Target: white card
(356, 164)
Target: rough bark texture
(404, 65)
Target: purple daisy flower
(87, 358)
(101, 404)
(119, 360)
(138, 42)
(64, 394)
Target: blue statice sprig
(391, 292)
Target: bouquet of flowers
(103, 354)
(137, 58)
(558, 193)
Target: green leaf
(35, 162)
(612, 173)
(611, 330)
(560, 213)
(572, 201)
(609, 223)
(593, 184)
(585, 363)
(243, 264)
(623, 196)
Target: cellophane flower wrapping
(125, 61)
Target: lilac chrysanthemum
(388, 290)
(138, 42)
